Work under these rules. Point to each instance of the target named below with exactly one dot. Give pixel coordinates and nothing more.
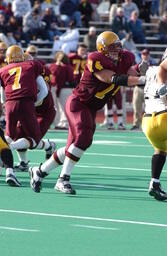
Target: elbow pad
(120, 80)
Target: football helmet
(32, 49)
(109, 44)
(3, 47)
(14, 53)
(27, 56)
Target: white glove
(142, 80)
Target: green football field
(111, 214)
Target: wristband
(120, 80)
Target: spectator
(138, 93)
(128, 44)
(15, 33)
(162, 28)
(147, 10)
(94, 4)
(135, 26)
(90, 39)
(69, 11)
(62, 83)
(34, 26)
(128, 7)
(68, 41)
(51, 22)
(86, 11)
(119, 24)
(20, 8)
(155, 8)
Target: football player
(106, 70)
(62, 84)
(45, 112)
(3, 48)
(154, 123)
(78, 61)
(18, 80)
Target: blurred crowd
(25, 20)
(42, 19)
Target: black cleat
(21, 167)
(156, 191)
(63, 185)
(12, 181)
(36, 177)
(50, 150)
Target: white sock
(119, 116)
(155, 180)
(49, 165)
(19, 144)
(22, 155)
(67, 167)
(43, 144)
(61, 154)
(9, 171)
(69, 163)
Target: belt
(153, 97)
(156, 113)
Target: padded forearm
(120, 80)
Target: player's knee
(84, 141)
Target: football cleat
(12, 181)
(63, 185)
(156, 191)
(50, 150)
(110, 126)
(121, 126)
(21, 167)
(36, 177)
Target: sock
(110, 119)
(9, 171)
(72, 157)
(22, 155)
(43, 144)
(154, 180)
(61, 154)
(158, 161)
(19, 144)
(119, 116)
(49, 165)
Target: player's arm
(162, 78)
(3, 98)
(108, 76)
(42, 90)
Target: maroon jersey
(19, 79)
(92, 91)
(78, 64)
(61, 76)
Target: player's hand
(142, 80)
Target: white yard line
(94, 227)
(56, 215)
(108, 143)
(19, 229)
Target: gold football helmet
(109, 44)
(3, 47)
(27, 56)
(14, 53)
(32, 49)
